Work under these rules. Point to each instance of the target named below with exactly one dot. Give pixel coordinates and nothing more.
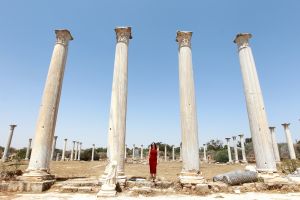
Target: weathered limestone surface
(274, 144)
(265, 161)
(165, 152)
(289, 140)
(28, 149)
(188, 115)
(41, 149)
(6, 150)
(173, 153)
(118, 108)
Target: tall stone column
(72, 152)
(133, 151)
(118, 108)
(289, 140)
(180, 153)
(188, 114)
(76, 150)
(28, 149)
(57, 156)
(63, 157)
(204, 153)
(7, 147)
(173, 153)
(142, 153)
(236, 155)
(243, 148)
(274, 144)
(93, 152)
(41, 149)
(228, 149)
(165, 152)
(53, 147)
(79, 151)
(265, 161)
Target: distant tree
(221, 156)
(214, 145)
(21, 154)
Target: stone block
(202, 189)
(85, 189)
(261, 186)
(69, 189)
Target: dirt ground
(168, 170)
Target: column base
(107, 190)
(191, 178)
(121, 179)
(37, 175)
(236, 162)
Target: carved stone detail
(123, 34)
(242, 40)
(63, 37)
(184, 38)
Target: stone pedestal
(265, 161)
(228, 150)
(28, 149)
(289, 140)
(274, 144)
(188, 116)
(6, 150)
(41, 148)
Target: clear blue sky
(27, 40)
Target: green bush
(221, 156)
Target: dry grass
(168, 170)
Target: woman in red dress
(153, 160)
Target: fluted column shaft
(57, 156)
(53, 147)
(72, 151)
(63, 157)
(243, 148)
(289, 141)
(93, 152)
(118, 108)
(28, 149)
(133, 151)
(125, 154)
(188, 115)
(41, 149)
(228, 150)
(265, 161)
(7, 146)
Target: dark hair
(153, 146)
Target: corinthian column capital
(242, 40)
(123, 34)
(63, 36)
(184, 38)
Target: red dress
(153, 161)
